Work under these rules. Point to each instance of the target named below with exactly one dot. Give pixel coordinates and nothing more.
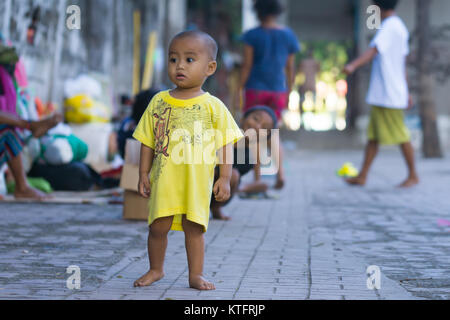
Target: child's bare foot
(30, 193)
(410, 182)
(149, 278)
(356, 181)
(200, 283)
(40, 128)
(279, 184)
(218, 215)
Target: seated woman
(258, 117)
(11, 145)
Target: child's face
(190, 63)
(258, 120)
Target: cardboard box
(135, 207)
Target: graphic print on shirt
(161, 121)
(161, 131)
(166, 120)
(189, 119)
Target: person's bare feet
(410, 182)
(218, 215)
(149, 278)
(279, 184)
(200, 283)
(30, 193)
(40, 128)
(356, 181)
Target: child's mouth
(180, 77)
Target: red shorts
(275, 100)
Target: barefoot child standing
(173, 131)
(388, 91)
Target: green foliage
(332, 57)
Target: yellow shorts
(387, 126)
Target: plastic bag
(83, 109)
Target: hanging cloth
(8, 99)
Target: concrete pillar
(6, 18)
(249, 18)
(174, 22)
(59, 43)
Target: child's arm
(254, 149)
(290, 72)
(362, 60)
(222, 188)
(280, 175)
(247, 65)
(145, 165)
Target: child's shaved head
(209, 42)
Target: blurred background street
(315, 241)
(96, 61)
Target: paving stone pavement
(314, 242)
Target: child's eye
(173, 60)
(190, 60)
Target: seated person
(11, 146)
(258, 117)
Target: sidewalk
(314, 242)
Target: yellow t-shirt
(185, 135)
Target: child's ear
(212, 67)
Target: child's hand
(144, 186)
(410, 102)
(239, 98)
(349, 69)
(222, 190)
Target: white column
(59, 41)
(249, 18)
(6, 18)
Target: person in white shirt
(388, 92)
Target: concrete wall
(321, 19)
(104, 44)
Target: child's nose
(180, 65)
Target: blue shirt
(271, 49)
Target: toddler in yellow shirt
(180, 133)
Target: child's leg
(279, 161)
(408, 153)
(195, 249)
(369, 155)
(157, 244)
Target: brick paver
(314, 242)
